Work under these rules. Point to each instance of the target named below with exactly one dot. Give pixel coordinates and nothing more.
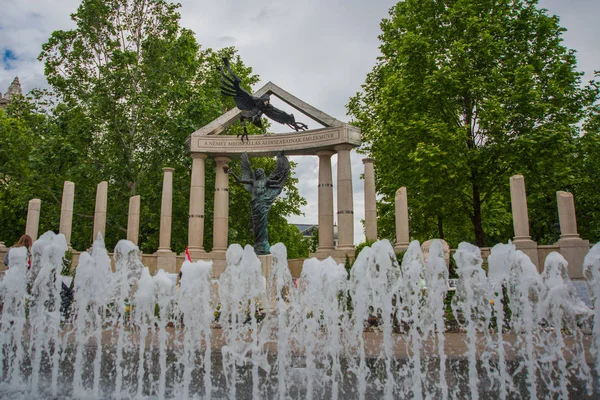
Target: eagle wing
(230, 86)
(277, 115)
(247, 172)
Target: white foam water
(131, 334)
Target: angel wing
(247, 172)
(280, 173)
(230, 86)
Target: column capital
(325, 153)
(222, 159)
(168, 169)
(343, 146)
(368, 160)
(199, 155)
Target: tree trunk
(440, 227)
(476, 217)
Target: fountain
(377, 331)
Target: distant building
(13, 90)
(308, 230)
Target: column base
(217, 258)
(166, 260)
(530, 248)
(196, 254)
(400, 247)
(266, 262)
(339, 255)
(574, 250)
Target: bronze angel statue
(253, 107)
(264, 192)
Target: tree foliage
(128, 86)
(587, 195)
(465, 94)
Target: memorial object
(264, 192)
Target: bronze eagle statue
(253, 107)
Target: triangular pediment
(220, 124)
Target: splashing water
(562, 311)
(471, 308)
(45, 306)
(377, 331)
(14, 293)
(591, 270)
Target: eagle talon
(243, 135)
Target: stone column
(572, 247)
(165, 257)
(518, 199)
(197, 195)
(370, 200)
(166, 210)
(33, 218)
(221, 206)
(133, 219)
(566, 215)
(345, 200)
(401, 210)
(325, 201)
(100, 213)
(66, 211)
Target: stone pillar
(518, 199)
(33, 218)
(401, 210)
(345, 200)
(66, 211)
(325, 201)
(133, 219)
(197, 196)
(221, 206)
(166, 258)
(572, 247)
(370, 200)
(100, 213)
(166, 210)
(566, 215)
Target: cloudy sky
(318, 50)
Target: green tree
(585, 190)
(17, 140)
(465, 94)
(128, 87)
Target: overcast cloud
(318, 50)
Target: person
(24, 241)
